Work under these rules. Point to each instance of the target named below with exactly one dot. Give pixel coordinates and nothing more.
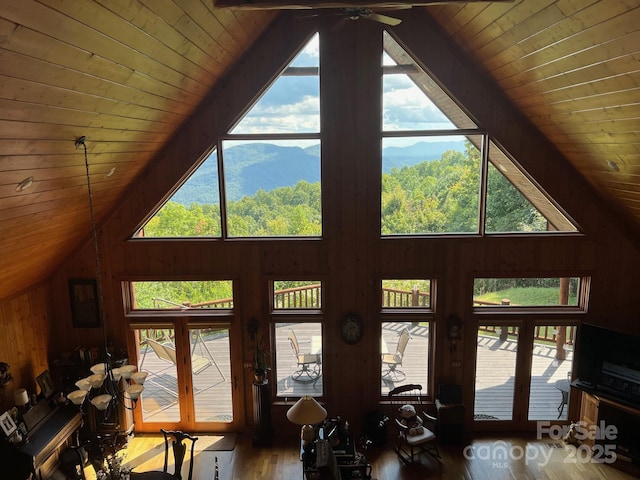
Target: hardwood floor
(544, 459)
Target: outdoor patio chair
(308, 363)
(408, 443)
(391, 361)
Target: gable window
(441, 174)
(263, 177)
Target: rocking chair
(407, 443)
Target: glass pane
(404, 349)
(515, 203)
(182, 295)
(211, 375)
(193, 210)
(292, 102)
(273, 189)
(159, 400)
(551, 368)
(525, 292)
(406, 107)
(508, 210)
(411, 100)
(297, 294)
(495, 372)
(406, 293)
(298, 359)
(430, 185)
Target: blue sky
(292, 104)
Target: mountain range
(263, 166)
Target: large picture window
(441, 173)
(298, 358)
(271, 185)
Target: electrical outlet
(456, 364)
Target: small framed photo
(85, 308)
(8, 425)
(46, 384)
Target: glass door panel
(211, 374)
(551, 365)
(497, 349)
(159, 401)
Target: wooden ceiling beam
(308, 4)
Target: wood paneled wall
(351, 258)
(26, 336)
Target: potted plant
(261, 352)
(260, 360)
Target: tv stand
(605, 413)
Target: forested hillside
(437, 196)
(254, 166)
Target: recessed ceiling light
(111, 171)
(613, 166)
(24, 184)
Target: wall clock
(351, 328)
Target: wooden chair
(394, 360)
(179, 448)
(308, 363)
(407, 445)
(179, 451)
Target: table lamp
(306, 412)
(20, 397)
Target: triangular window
(271, 160)
(432, 164)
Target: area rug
(213, 443)
(482, 416)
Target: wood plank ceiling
(128, 73)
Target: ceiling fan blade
(387, 20)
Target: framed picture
(46, 384)
(7, 423)
(83, 294)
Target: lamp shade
(20, 397)
(306, 411)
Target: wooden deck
(494, 381)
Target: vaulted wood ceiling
(128, 73)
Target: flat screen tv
(608, 364)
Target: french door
(190, 380)
(522, 373)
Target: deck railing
(309, 296)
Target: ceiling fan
(354, 13)
(355, 9)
